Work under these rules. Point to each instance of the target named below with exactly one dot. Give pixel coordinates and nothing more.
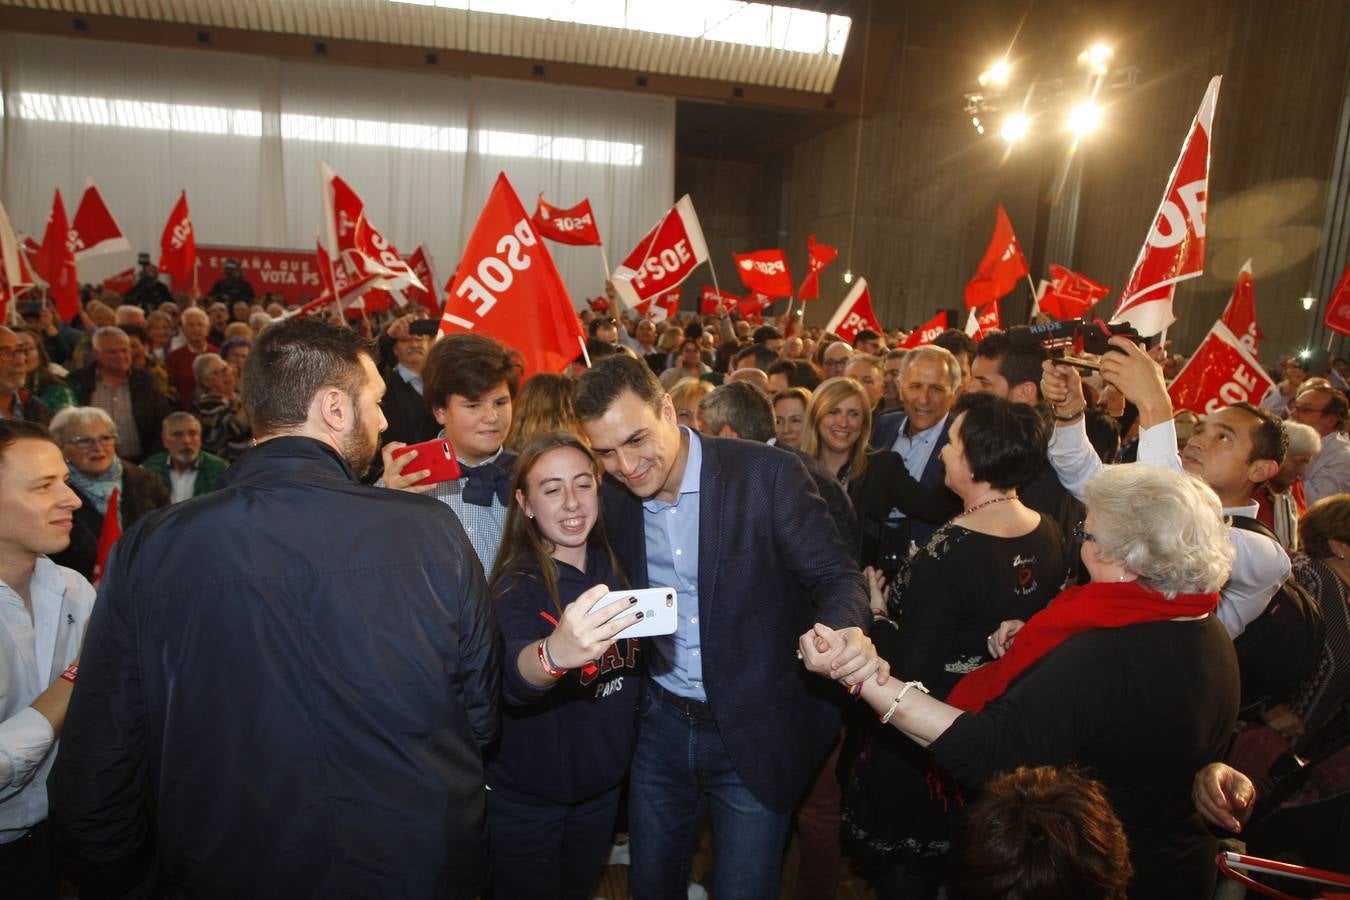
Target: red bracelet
(552, 670)
(71, 671)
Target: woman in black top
(993, 561)
(836, 430)
(571, 690)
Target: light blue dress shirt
(413, 380)
(672, 561)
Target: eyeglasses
(14, 352)
(841, 363)
(1084, 536)
(1305, 408)
(86, 443)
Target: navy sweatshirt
(571, 742)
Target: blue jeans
(680, 764)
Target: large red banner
(1220, 373)
(294, 274)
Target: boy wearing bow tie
(468, 382)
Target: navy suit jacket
(884, 432)
(770, 565)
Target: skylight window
(727, 21)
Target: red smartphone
(436, 455)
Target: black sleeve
(897, 488)
(480, 652)
(98, 788)
(929, 617)
(518, 617)
(1045, 718)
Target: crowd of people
(1098, 635)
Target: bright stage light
(1084, 118)
(1014, 128)
(1097, 58)
(1309, 302)
(997, 74)
(848, 276)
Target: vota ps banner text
(291, 273)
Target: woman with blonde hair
(686, 394)
(544, 404)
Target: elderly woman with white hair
(87, 437)
(1129, 676)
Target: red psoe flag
(1174, 249)
(1221, 372)
(658, 309)
(713, 302)
(122, 282)
(765, 272)
(360, 256)
(664, 258)
(926, 332)
(1240, 313)
(107, 536)
(1070, 294)
(818, 256)
(575, 226)
(752, 307)
(420, 263)
(94, 230)
(178, 244)
(1000, 268)
(855, 313)
(980, 323)
(55, 263)
(1337, 316)
(507, 286)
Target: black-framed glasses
(1084, 536)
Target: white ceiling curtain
(244, 136)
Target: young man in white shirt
(43, 611)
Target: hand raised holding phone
(582, 636)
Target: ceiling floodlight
(1097, 58)
(1014, 128)
(997, 74)
(1309, 302)
(1084, 118)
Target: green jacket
(209, 469)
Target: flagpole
(604, 261)
(713, 270)
(788, 321)
(584, 355)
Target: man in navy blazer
(728, 715)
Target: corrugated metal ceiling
(475, 32)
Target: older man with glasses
(1324, 409)
(16, 401)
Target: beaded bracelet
(895, 704)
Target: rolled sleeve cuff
(25, 739)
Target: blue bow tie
(484, 482)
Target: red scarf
(1100, 604)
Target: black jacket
(770, 565)
(142, 492)
(302, 672)
(410, 421)
(149, 406)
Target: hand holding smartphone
(436, 457)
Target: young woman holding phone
(571, 689)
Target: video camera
(1063, 340)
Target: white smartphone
(659, 606)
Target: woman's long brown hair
(524, 552)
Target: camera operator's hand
(1134, 373)
(1062, 387)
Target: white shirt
(1329, 471)
(182, 485)
(33, 654)
(1260, 565)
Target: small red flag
(658, 309)
(1069, 294)
(178, 244)
(980, 323)
(94, 230)
(55, 262)
(752, 306)
(1240, 313)
(575, 226)
(818, 256)
(122, 282)
(1337, 316)
(14, 275)
(507, 286)
(420, 263)
(854, 314)
(107, 536)
(926, 332)
(1002, 265)
(717, 303)
(765, 272)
